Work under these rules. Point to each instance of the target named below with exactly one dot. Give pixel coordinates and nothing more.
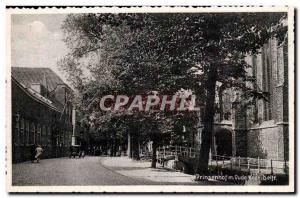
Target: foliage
(139, 53)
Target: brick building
(261, 126)
(41, 113)
(258, 126)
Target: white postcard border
(153, 188)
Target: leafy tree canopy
(133, 53)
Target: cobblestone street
(65, 171)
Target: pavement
(142, 170)
(98, 171)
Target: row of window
(26, 133)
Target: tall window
(255, 87)
(22, 131)
(267, 82)
(38, 134)
(16, 132)
(27, 131)
(44, 135)
(48, 136)
(32, 134)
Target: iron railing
(259, 165)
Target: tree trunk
(129, 152)
(153, 161)
(116, 148)
(135, 147)
(111, 148)
(208, 121)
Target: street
(65, 171)
(98, 171)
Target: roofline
(50, 70)
(33, 96)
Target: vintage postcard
(150, 99)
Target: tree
(100, 49)
(194, 51)
(156, 127)
(216, 44)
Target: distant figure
(39, 152)
(32, 153)
(82, 154)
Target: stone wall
(264, 141)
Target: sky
(36, 41)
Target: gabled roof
(34, 95)
(44, 76)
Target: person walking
(82, 154)
(39, 150)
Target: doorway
(224, 142)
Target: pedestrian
(39, 150)
(32, 153)
(82, 154)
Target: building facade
(261, 126)
(256, 126)
(41, 113)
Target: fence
(265, 166)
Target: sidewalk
(142, 170)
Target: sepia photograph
(142, 99)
